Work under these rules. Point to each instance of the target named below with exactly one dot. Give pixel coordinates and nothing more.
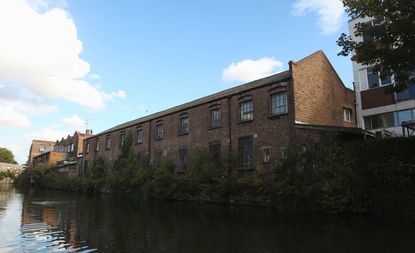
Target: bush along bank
(374, 177)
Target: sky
(68, 65)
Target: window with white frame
(374, 80)
(347, 115)
(279, 104)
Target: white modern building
(377, 109)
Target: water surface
(63, 222)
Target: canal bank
(372, 178)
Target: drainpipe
(149, 143)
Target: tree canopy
(6, 156)
(391, 47)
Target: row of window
(279, 105)
(390, 119)
(245, 154)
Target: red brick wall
(316, 95)
(268, 132)
(320, 95)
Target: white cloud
(50, 133)
(41, 52)
(94, 76)
(330, 13)
(249, 70)
(75, 121)
(11, 118)
(24, 102)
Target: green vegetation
(6, 156)
(6, 174)
(391, 48)
(372, 177)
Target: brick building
(255, 122)
(377, 109)
(38, 147)
(62, 153)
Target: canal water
(62, 222)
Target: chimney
(88, 131)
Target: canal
(62, 222)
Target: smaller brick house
(254, 123)
(38, 147)
(64, 153)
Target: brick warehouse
(255, 122)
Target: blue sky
(68, 64)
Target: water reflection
(68, 222)
(27, 225)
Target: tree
(6, 156)
(392, 47)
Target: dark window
(139, 135)
(159, 131)
(184, 125)
(367, 38)
(267, 155)
(215, 154)
(245, 152)
(279, 103)
(372, 78)
(122, 139)
(247, 111)
(406, 94)
(387, 80)
(108, 142)
(183, 159)
(215, 118)
(157, 158)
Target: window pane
(279, 103)
(267, 155)
(247, 111)
(387, 120)
(402, 116)
(245, 152)
(406, 94)
(139, 134)
(215, 116)
(183, 159)
(368, 123)
(160, 131)
(215, 154)
(184, 125)
(372, 78)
